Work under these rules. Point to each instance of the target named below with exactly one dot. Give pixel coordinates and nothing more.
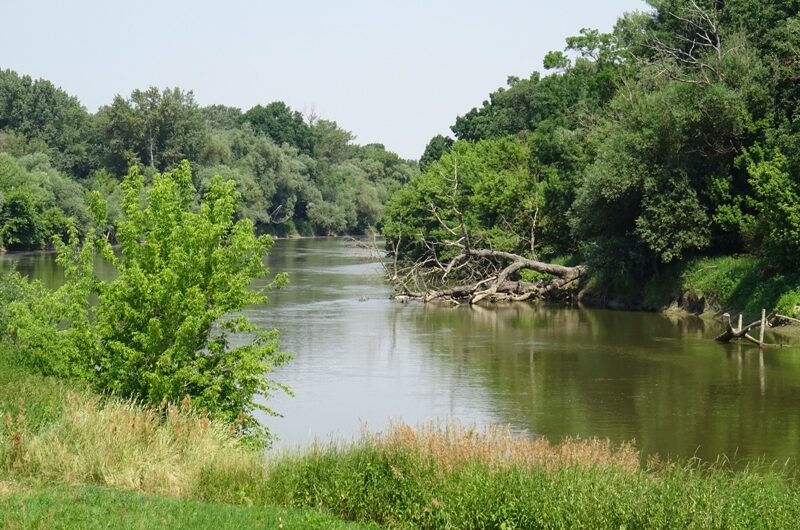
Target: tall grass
(435, 476)
(432, 477)
(118, 443)
(451, 445)
(465, 478)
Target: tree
(777, 201)
(45, 115)
(465, 229)
(437, 146)
(221, 117)
(38, 201)
(485, 189)
(153, 128)
(283, 125)
(163, 326)
(162, 329)
(664, 183)
(331, 143)
(564, 98)
(22, 221)
(282, 177)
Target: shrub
(162, 329)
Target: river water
(361, 360)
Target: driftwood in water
(788, 319)
(743, 332)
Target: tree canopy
(674, 135)
(296, 176)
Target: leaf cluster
(170, 325)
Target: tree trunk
(488, 283)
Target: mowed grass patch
(90, 507)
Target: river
(361, 360)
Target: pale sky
(389, 71)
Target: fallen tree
(743, 332)
(458, 261)
(475, 275)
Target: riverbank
(70, 458)
(78, 458)
(707, 287)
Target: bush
(162, 329)
(13, 287)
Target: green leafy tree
(164, 324)
(153, 128)
(221, 117)
(331, 143)
(22, 221)
(437, 146)
(777, 201)
(163, 329)
(283, 125)
(39, 203)
(48, 119)
(278, 180)
(486, 188)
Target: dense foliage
(36, 202)
(674, 136)
(162, 329)
(296, 175)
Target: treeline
(296, 175)
(676, 135)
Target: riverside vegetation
(661, 158)
(97, 461)
(129, 454)
(662, 155)
(296, 175)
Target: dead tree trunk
(491, 274)
(743, 332)
(475, 273)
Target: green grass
(70, 447)
(89, 507)
(405, 485)
(38, 398)
(726, 283)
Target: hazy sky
(389, 71)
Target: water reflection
(552, 371)
(562, 372)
